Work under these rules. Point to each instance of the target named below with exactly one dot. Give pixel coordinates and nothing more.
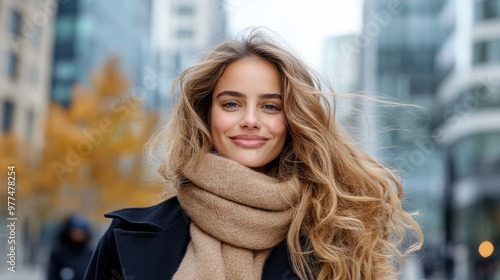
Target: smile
(249, 141)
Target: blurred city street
(85, 83)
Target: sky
(304, 24)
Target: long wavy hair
(349, 222)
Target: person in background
(71, 253)
(268, 184)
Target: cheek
(278, 127)
(219, 124)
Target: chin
(250, 163)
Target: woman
(269, 186)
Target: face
(247, 122)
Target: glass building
(400, 40)
(89, 32)
(468, 127)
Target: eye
(230, 104)
(271, 107)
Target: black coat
(149, 243)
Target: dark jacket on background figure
(69, 257)
(149, 243)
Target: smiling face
(247, 123)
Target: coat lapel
(151, 255)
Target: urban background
(84, 83)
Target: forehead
(250, 74)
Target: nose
(250, 119)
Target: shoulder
(157, 217)
(136, 232)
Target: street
(24, 273)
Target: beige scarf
(237, 216)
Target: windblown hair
(349, 222)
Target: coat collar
(151, 241)
(154, 218)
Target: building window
(477, 156)
(30, 119)
(487, 9)
(185, 34)
(493, 51)
(33, 74)
(65, 70)
(61, 93)
(65, 28)
(15, 22)
(185, 10)
(12, 65)
(481, 96)
(178, 61)
(8, 114)
(486, 52)
(479, 52)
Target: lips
(249, 141)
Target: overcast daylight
(139, 141)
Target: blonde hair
(349, 222)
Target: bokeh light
(486, 248)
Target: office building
(399, 43)
(26, 29)
(183, 31)
(89, 32)
(467, 126)
(342, 69)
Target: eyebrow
(239, 94)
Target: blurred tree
(12, 154)
(92, 160)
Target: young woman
(269, 186)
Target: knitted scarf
(237, 216)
